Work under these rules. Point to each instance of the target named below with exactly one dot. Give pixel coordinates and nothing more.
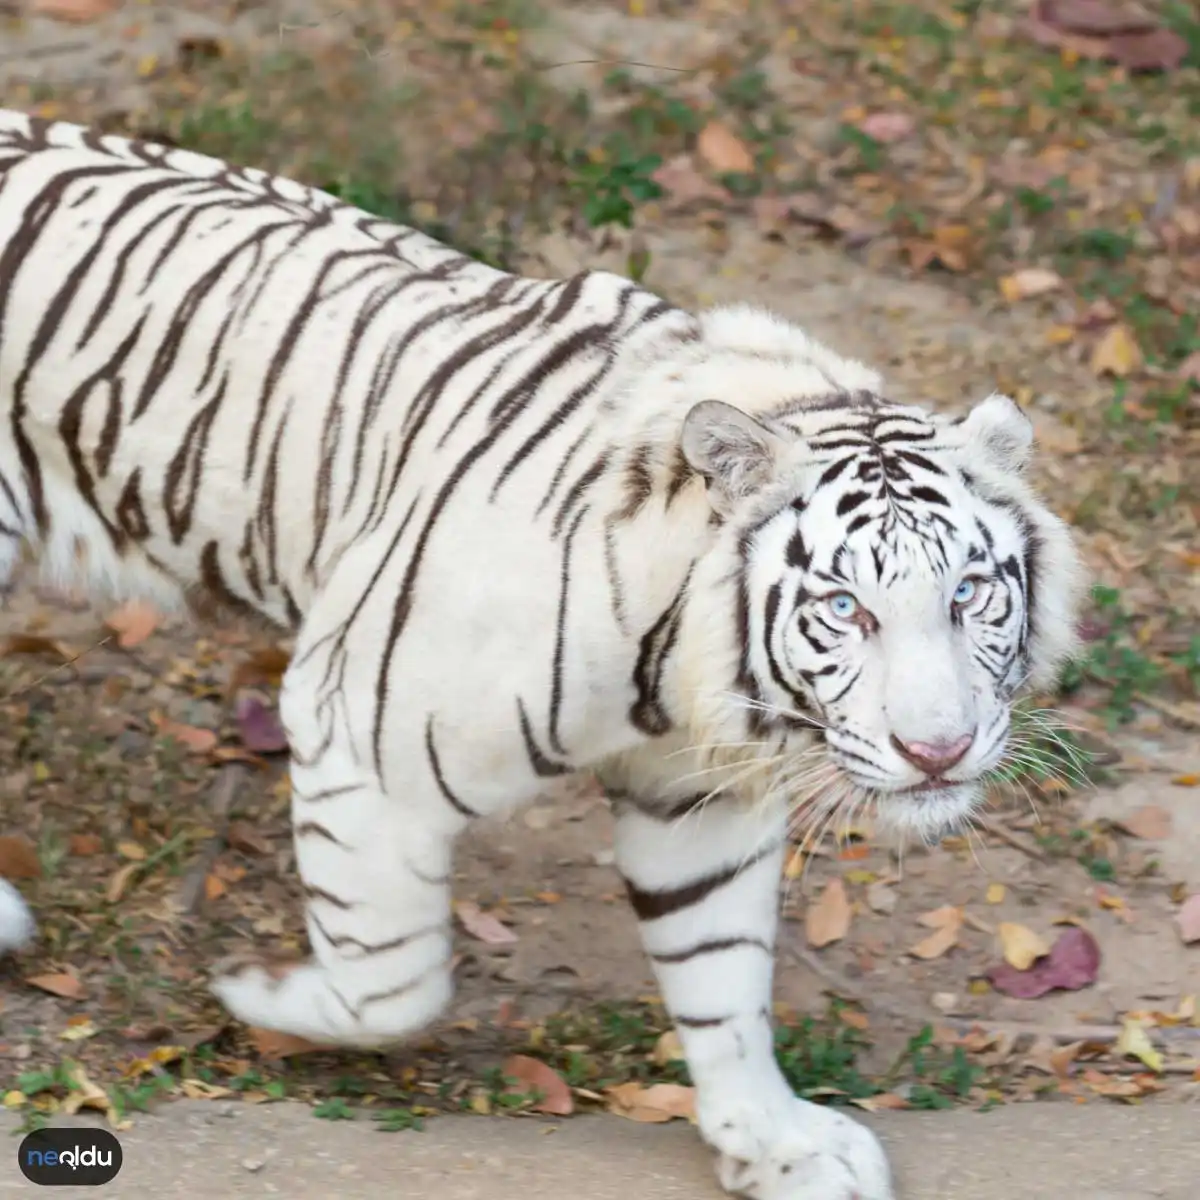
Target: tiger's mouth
(927, 786)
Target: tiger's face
(898, 584)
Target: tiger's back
(218, 380)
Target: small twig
(225, 789)
(996, 829)
(1065, 1034)
(62, 666)
(1178, 715)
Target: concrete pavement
(1032, 1151)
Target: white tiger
(520, 528)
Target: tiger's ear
(734, 453)
(998, 429)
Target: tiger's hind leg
(376, 873)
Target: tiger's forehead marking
(878, 475)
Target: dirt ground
(161, 841)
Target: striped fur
(519, 528)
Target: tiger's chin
(931, 811)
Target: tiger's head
(894, 582)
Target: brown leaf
(723, 150)
(214, 887)
(1151, 822)
(1029, 282)
(531, 1074)
(828, 918)
(1188, 919)
(198, 741)
(63, 984)
(946, 922)
(84, 845)
(1099, 29)
(241, 835)
(133, 623)
(19, 858)
(1116, 353)
(1020, 945)
(264, 668)
(33, 644)
(483, 925)
(273, 1045)
(652, 1105)
(120, 881)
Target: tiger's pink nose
(934, 758)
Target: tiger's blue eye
(843, 606)
(966, 591)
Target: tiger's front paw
(802, 1152)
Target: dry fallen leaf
(264, 668)
(668, 1049)
(1116, 353)
(946, 922)
(1020, 945)
(258, 725)
(19, 858)
(120, 881)
(828, 918)
(273, 1045)
(34, 644)
(1029, 282)
(887, 126)
(1188, 919)
(198, 741)
(241, 835)
(683, 184)
(1119, 33)
(723, 150)
(63, 984)
(884, 1102)
(83, 845)
(75, 11)
(483, 925)
(1134, 1042)
(533, 1075)
(1151, 822)
(881, 898)
(133, 623)
(1073, 963)
(652, 1105)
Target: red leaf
(533, 1075)
(259, 726)
(1072, 963)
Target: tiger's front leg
(705, 889)
(375, 867)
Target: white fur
(16, 923)
(500, 566)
